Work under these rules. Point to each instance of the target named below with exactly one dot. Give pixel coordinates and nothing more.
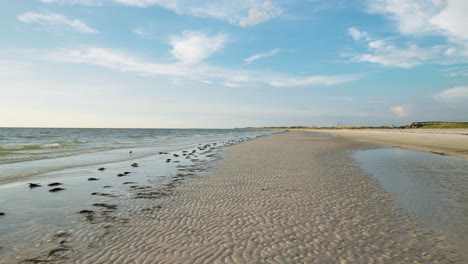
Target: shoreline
(452, 142)
(290, 197)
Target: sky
(232, 63)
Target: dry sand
(288, 198)
(453, 142)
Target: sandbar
(453, 142)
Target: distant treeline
(414, 125)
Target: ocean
(28, 152)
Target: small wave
(81, 141)
(30, 147)
(53, 145)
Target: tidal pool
(433, 187)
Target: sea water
(27, 152)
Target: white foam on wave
(53, 145)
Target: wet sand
(453, 142)
(287, 198)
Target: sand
(453, 142)
(287, 198)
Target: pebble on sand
(2, 213)
(101, 169)
(54, 184)
(93, 179)
(134, 164)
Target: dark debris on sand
(56, 189)
(34, 185)
(107, 206)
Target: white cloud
(459, 93)
(399, 110)
(390, 55)
(52, 19)
(120, 61)
(310, 80)
(357, 34)
(192, 46)
(452, 19)
(256, 16)
(445, 18)
(78, 2)
(237, 12)
(261, 55)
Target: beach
(453, 142)
(295, 197)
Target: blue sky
(221, 64)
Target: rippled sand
(287, 198)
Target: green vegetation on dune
(447, 125)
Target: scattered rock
(92, 179)
(107, 186)
(2, 213)
(86, 212)
(127, 172)
(175, 155)
(120, 175)
(56, 189)
(134, 164)
(34, 185)
(103, 194)
(61, 234)
(56, 250)
(101, 169)
(54, 184)
(168, 160)
(107, 206)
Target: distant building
(425, 123)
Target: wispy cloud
(399, 110)
(455, 94)
(193, 46)
(261, 55)
(381, 52)
(310, 80)
(357, 34)
(52, 19)
(124, 62)
(141, 32)
(237, 12)
(73, 2)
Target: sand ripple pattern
(287, 198)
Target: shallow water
(26, 152)
(433, 187)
